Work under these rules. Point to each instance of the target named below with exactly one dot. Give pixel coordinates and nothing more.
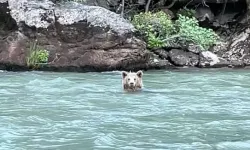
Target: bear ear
(139, 73)
(124, 74)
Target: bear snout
(131, 83)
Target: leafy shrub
(37, 55)
(155, 26)
(189, 30)
(155, 42)
(153, 22)
(159, 30)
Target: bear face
(132, 81)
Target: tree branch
(147, 5)
(123, 5)
(223, 10)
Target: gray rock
(39, 14)
(194, 48)
(220, 48)
(183, 58)
(202, 13)
(163, 54)
(158, 63)
(246, 60)
(3, 1)
(101, 3)
(239, 49)
(236, 64)
(209, 59)
(72, 12)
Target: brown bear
(132, 81)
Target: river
(179, 109)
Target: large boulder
(157, 62)
(210, 60)
(78, 37)
(183, 58)
(238, 51)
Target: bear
(132, 81)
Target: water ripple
(183, 109)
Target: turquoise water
(186, 110)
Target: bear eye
(128, 79)
(134, 78)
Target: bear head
(132, 80)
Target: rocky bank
(84, 37)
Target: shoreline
(176, 69)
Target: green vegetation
(36, 56)
(190, 31)
(160, 30)
(155, 26)
(186, 12)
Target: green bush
(154, 41)
(37, 55)
(190, 31)
(160, 30)
(155, 26)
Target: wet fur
(138, 84)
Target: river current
(179, 109)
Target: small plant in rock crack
(36, 56)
